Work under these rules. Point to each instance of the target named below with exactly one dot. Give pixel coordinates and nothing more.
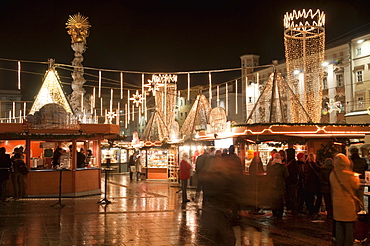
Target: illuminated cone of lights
(304, 39)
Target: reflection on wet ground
(141, 213)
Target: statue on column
(78, 27)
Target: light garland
(210, 88)
(188, 86)
(99, 92)
(236, 96)
(227, 98)
(51, 92)
(121, 80)
(304, 52)
(19, 75)
(137, 98)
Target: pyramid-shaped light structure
(156, 129)
(278, 103)
(198, 116)
(51, 92)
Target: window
(325, 83)
(360, 102)
(359, 76)
(358, 51)
(186, 114)
(250, 99)
(340, 80)
(181, 115)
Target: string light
(304, 51)
(236, 96)
(19, 75)
(218, 96)
(210, 88)
(99, 92)
(121, 79)
(51, 92)
(188, 86)
(227, 99)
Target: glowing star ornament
(137, 98)
(111, 115)
(159, 80)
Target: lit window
(340, 80)
(325, 83)
(359, 76)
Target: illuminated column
(304, 39)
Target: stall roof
(23, 131)
(280, 131)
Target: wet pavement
(141, 213)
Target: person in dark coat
(292, 182)
(256, 166)
(17, 176)
(312, 170)
(132, 165)
(5, 164)
(276, 174)
(199, 168)
(55, 160)
(222, 182)
(359, 166)
(325, 186)
(81, 158)
(301, 159)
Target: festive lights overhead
(137, 98)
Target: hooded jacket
(344, 206)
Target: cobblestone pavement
(141, 213)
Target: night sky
(157, 36)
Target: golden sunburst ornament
(78, 27)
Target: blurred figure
(344, 183)
(89, 156)
(221, 184)
(301, 159)
(5, 164)
(81, 158)
(256, 166)
(218, 153)
(199, 168)
(283, 156)
(17, 176)
(132, 165)
(55, 160)
(312, 171)
(224, 152)
(185, 169)
(272, 153)
(292, 182)
(325, 186)
(138, 167)
(359, 166)
(276, 174)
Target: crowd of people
(297, 185)
(14, 167)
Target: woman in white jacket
(343, 183)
